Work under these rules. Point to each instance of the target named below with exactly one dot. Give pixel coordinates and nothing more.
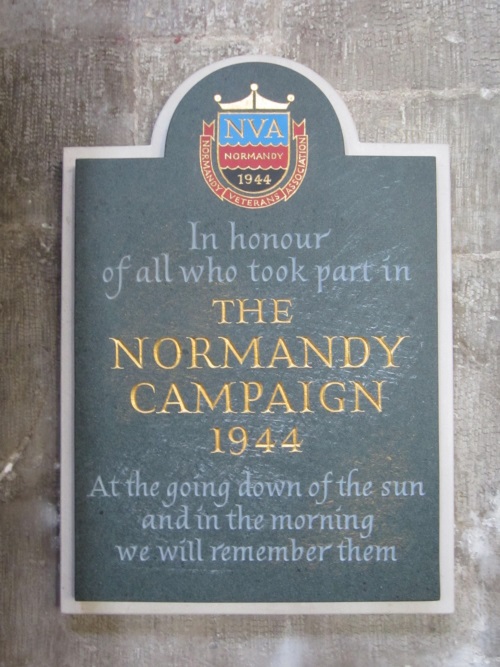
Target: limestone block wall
(93, 73)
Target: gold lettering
(248, 398)
(168, 401)
(178, 353)
(305, 403)
(244, 309)
(347, 351)
(281, 309)
(223, 303)
(203, 354)
(286, 356)
(340, 401)
(202, 393)
(133, 397)
(253, 346)
(390, 350)
(308, 344)
(279, 390)
(121, 346)
(359, 389)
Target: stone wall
(97, 73)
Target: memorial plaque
(256, 360)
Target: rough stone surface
(97, 73)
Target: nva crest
(255, 155)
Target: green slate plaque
(256, 360)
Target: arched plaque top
(260, 85)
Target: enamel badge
(254, 154)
